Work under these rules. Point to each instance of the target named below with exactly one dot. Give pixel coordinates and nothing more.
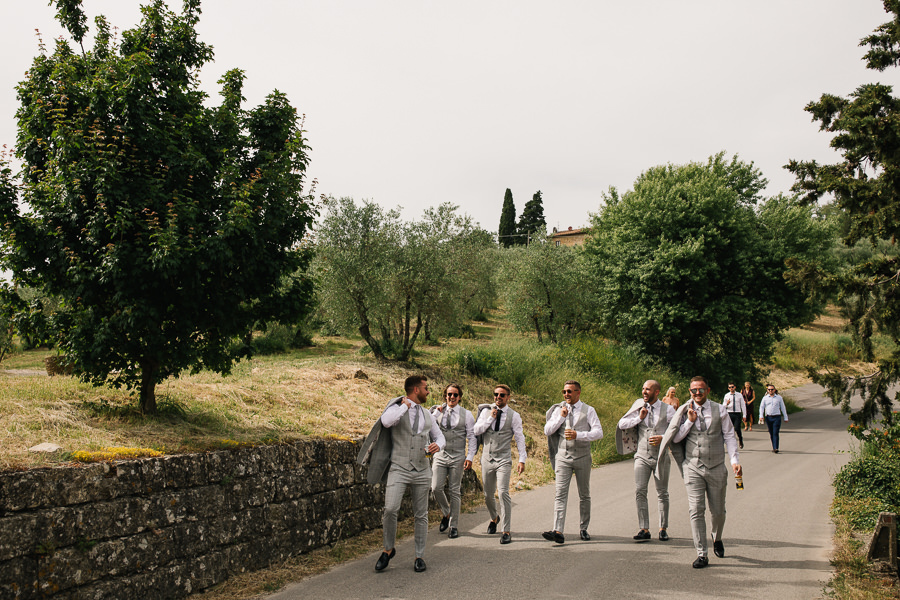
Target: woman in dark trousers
(772, 409)
(749, 396)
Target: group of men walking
(698, 436)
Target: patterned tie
(416, 419)
(571, 418)
(497, 422)
(702, 420)
(447, 418)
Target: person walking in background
(707, 432)
(458, 426)
(570, 452)
(671, 399)
(651, 417)
(498, 427)
(772, 410)
(749, 396)
(737, 411)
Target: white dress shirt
(633, 417)
(734, 401)
(486, 421)
(454, 421)
(395, 412)
(731, 444)
(556, 421)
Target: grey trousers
(704, 484)
(582, 470)
(643, 470)
(452, 475)
(494, 475)
(418, 483)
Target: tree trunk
(148, 388)
(407, 348)
(537, 327)
(371, 341)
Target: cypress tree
(507, 233)
(532, 220)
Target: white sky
(417, 102)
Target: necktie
(571, 418)
(416, 419)
(497, 422)
(702, 420)
(447, 418)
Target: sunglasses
(568, 391)
(496, 395)
(697, 392)
(452, 395)
(770, 389)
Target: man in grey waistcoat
(413, 433)
(498, 427)
(707, 431)
(458, 426)
(650, 418)
(571, 427)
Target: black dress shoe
(701, 562)
(663, 536)
(492, 527)
(642, 536)
(585, 535)
(719, 549)
(776, 450)
(454, 533)
(384, 559)
(505, 539)
(741, 445)
(419, 565)
(554, 536)
(445, 523)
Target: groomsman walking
(458, 426)
(571, 427)
(650, 418)
(498, 427)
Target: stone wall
(171, 526)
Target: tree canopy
(865, 186)
(392, 281)
(686, 269)
(532, 221)
(506, 234)
(166, 226)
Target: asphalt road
(777, 535)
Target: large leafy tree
(546, 289)
(865, 186)
(687, 270)
(166, 226)
(392, 281)
(532, 222)
(506, 234)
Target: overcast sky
(416, 102)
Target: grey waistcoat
(497, 443)
(645, 450)
(574, 449)
(409, 448)
(455, 449)
(706, 448)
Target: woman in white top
(771, 410)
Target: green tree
(685, 269)
(393, 281)
(532, 221)
(865, 185)
(506, 234)
(546, 289)
(164, 225)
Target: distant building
(569, 237)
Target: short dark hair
(732, 383)
(504, 387)
(573, 382)
(454, 385)
(413, 381)
(700, 378)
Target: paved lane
(777, 535)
